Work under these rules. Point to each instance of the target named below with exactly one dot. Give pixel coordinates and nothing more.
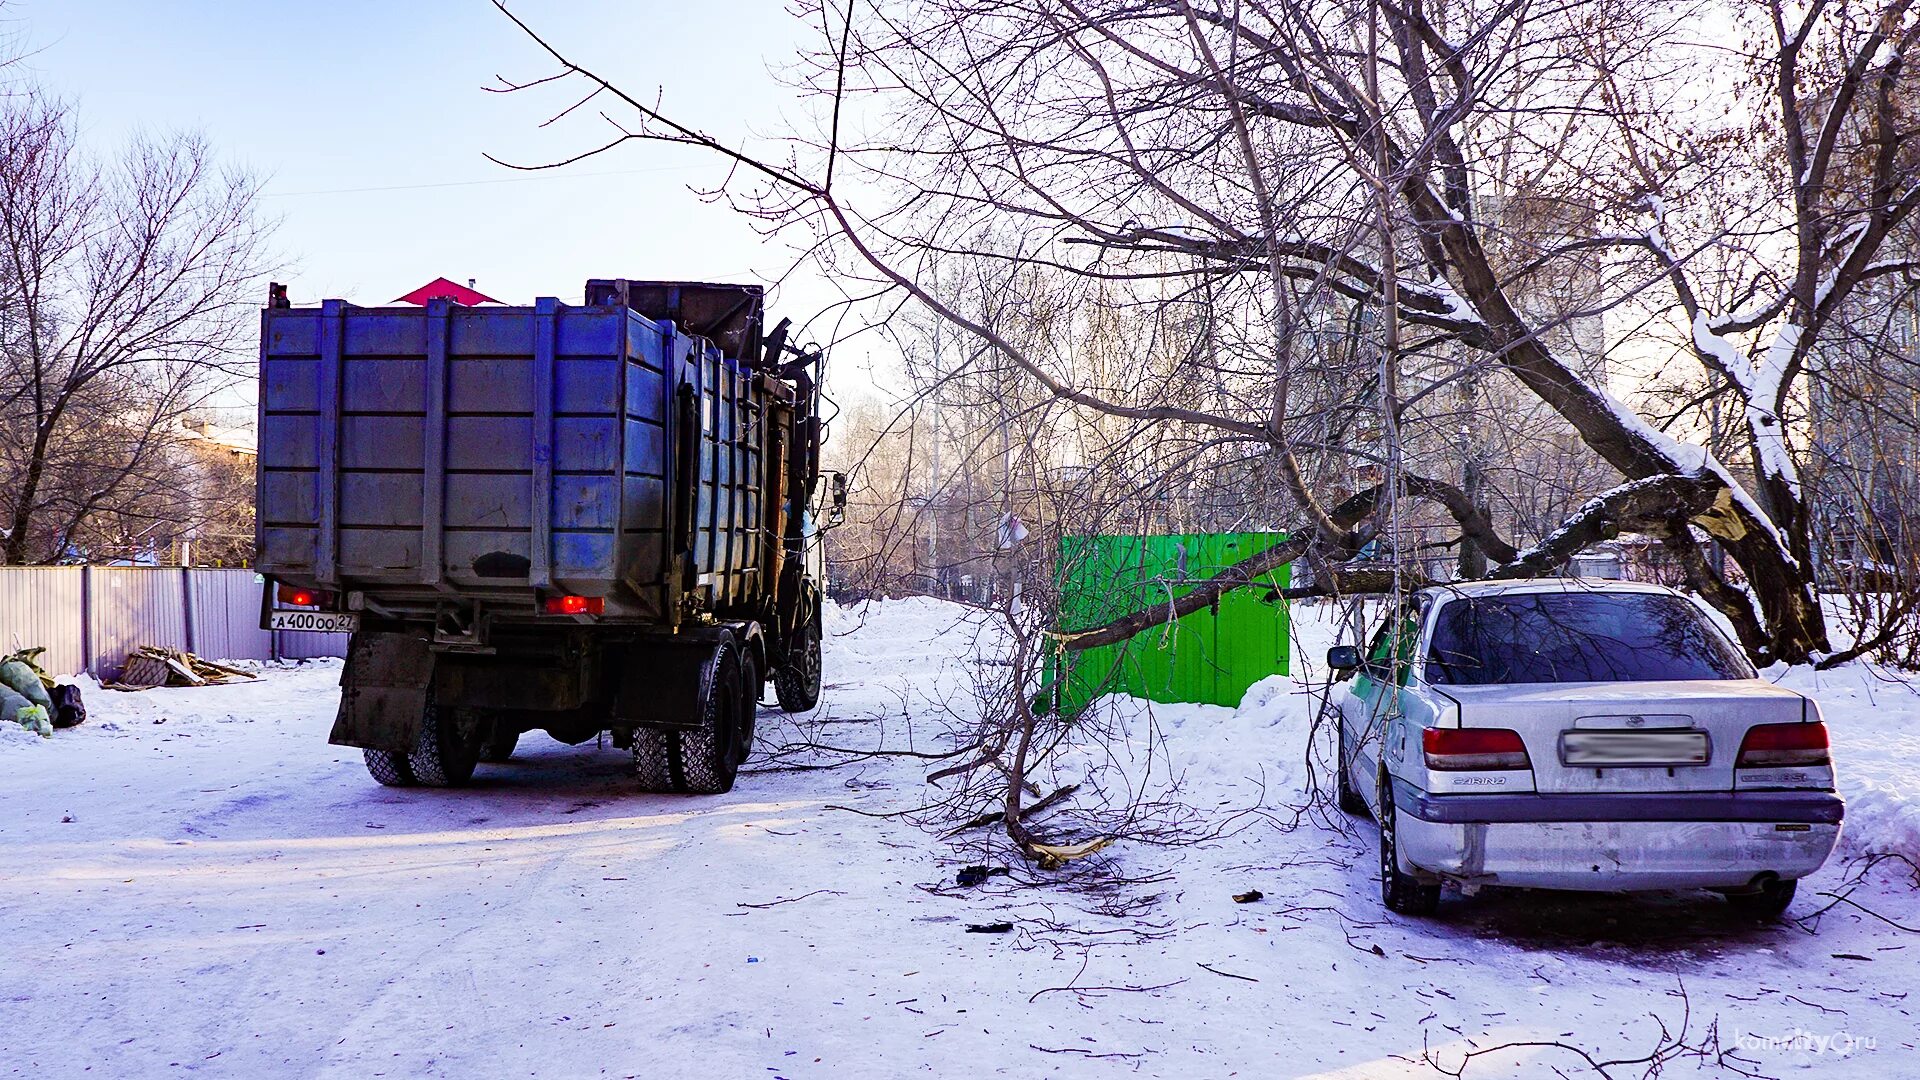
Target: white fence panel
(90, 617)
(131, 606)
(305, 645)
(225, 610)
(40, 605)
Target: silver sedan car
(1570, 734)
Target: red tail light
(1769, 745)
(575, 605)
(1457, 749)
(299, 597)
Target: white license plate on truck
(1606, 748)
(319, 622)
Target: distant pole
(933, 487)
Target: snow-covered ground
(196, 882)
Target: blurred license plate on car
(1634, 747)
(322, 622)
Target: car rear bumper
(1613, 842)
(1794, 807)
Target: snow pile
(207, 844)
(16, 735)
(1873, 718)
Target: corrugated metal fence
(89, 617)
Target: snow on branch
(1654, 502)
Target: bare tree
(1364, 165)
(124, 289)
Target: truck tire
(650, 759)
(389, 767)
(444, 755)
(796, 679)
(499, 743)
(702, 760)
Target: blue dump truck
(577, 519)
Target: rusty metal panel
(41, 605)
(131, 606)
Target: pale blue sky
(331, 97)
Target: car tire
(443, 755)
(1401, 892)
(1768, 902)
(1349, 799)
(389, 767)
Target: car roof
(1542, 585)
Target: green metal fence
(1211, 656)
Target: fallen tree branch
(793, 899)
(1000, 815)
(1229, 974)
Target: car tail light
(1768, 745)
(298, 597)
(1456, 749)
(575, 605)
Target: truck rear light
(1459, 749)
(298, 597)
(575, 605)
(1769, 745)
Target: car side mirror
(1344, 658)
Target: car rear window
(1578, 637)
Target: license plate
(319, 622)
(1604, 748)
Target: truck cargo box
(504, 455)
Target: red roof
(442, 289)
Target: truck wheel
(1400, 891)
(702, 760)
(796, 680)
(444, 755)
(389, 767)
(499, 743)
(652, 747)
(751, 682)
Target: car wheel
(1767, 902)
(1349, 799)
(1400, 891)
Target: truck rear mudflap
(384, 691)
(663, 682)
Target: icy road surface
(196, 883)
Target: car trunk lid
(1629, 736)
